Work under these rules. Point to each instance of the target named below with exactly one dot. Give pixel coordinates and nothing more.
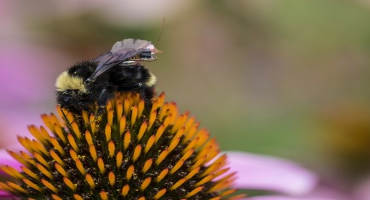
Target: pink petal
(5, 195)
(2, 193)
(6, 159)
(269, 173)
(286, 198)
(362, 191)
(14, 122)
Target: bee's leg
(104, 96)
(147, 94)
(141, 89)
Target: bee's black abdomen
(129, 77)
(132, 78)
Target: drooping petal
(269, 173)
(6, 159)
(2, 194)
(286, 198)
(6, 196)
(13, 123)
(362, 192)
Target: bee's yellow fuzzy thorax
(67, 82)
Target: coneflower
(127, 150)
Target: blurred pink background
(285, 78)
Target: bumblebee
(118, 70)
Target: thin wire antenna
(161, 31)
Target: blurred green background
(285, 78)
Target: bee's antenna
(161, 31)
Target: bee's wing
(121, 51)
(132, 44)
(108, 60)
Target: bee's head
(144, 50)
(74, 78)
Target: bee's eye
(135, 57)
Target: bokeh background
(285, 78)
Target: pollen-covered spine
(127, 151)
